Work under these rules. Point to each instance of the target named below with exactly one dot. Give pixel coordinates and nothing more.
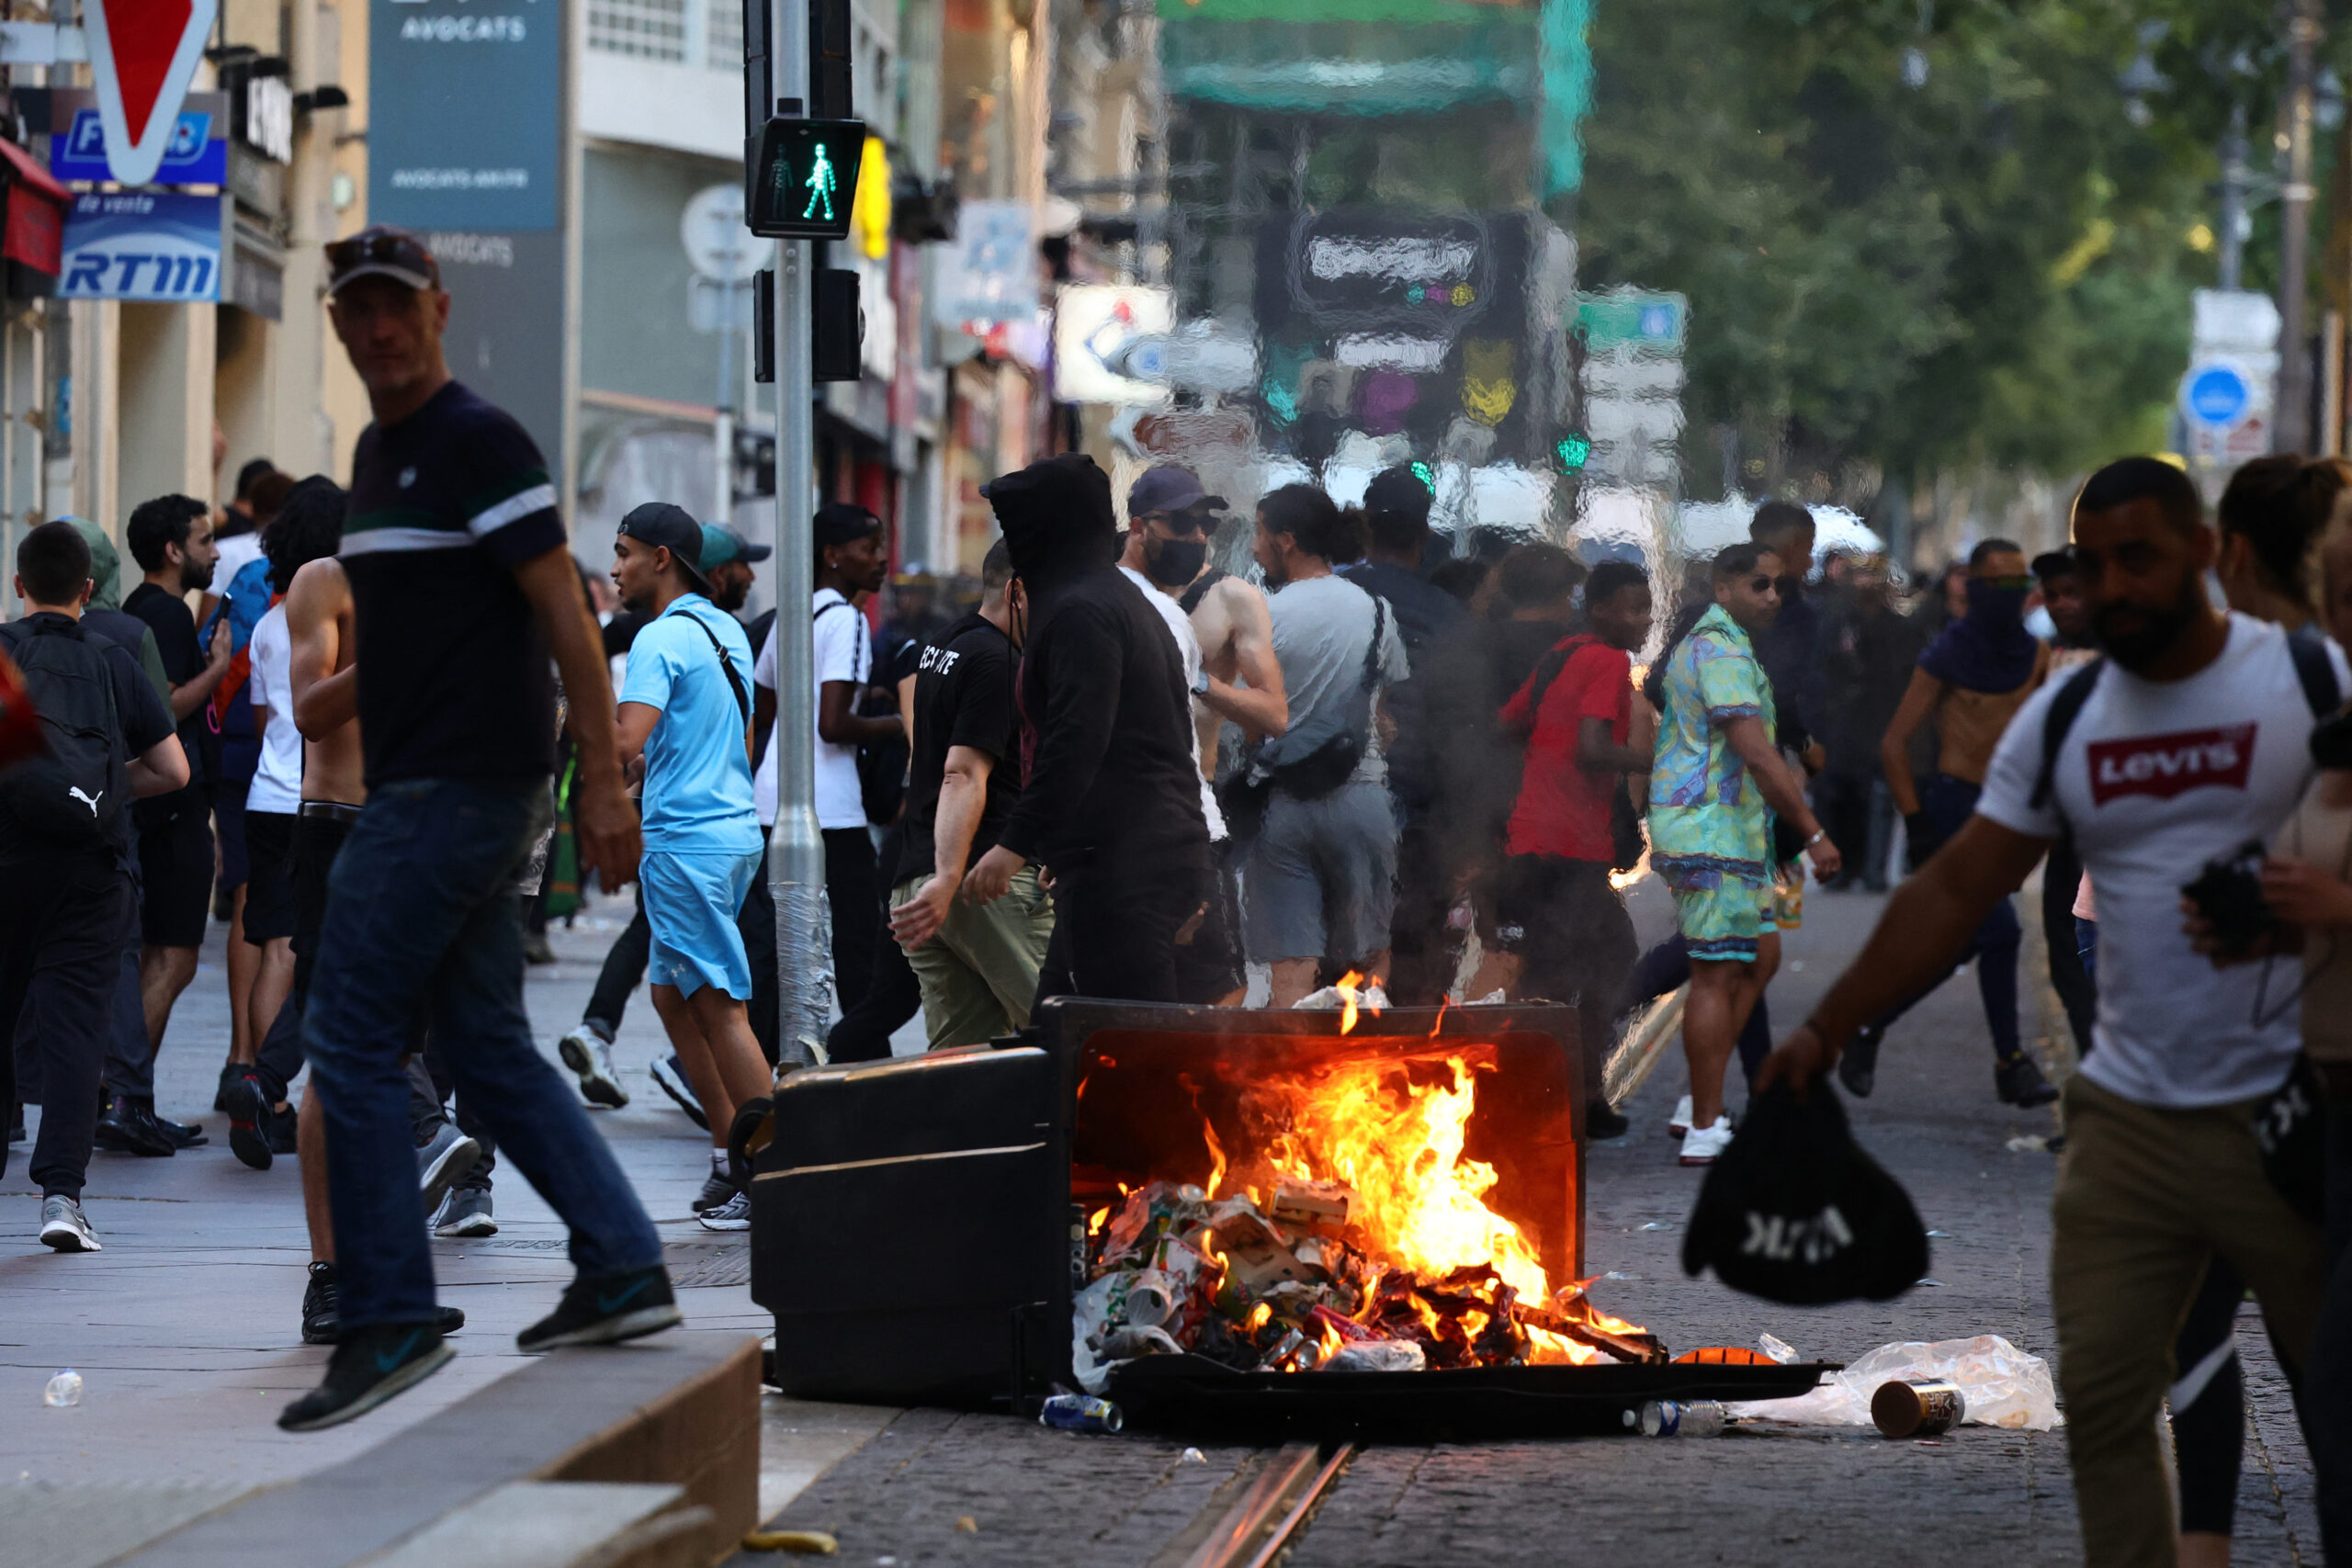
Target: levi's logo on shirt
(2163, 766)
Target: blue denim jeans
(422, 913)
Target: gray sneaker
(444, 1162)
(466, 1213)
(591, 1056)
(64, 1227)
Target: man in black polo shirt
(69, 880)
(170, 538)
(462, 588)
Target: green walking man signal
(796, 176)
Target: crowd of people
(1137, 770)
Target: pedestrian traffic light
(1573, 451)
(799, 176)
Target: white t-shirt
(237, 552)
(2155, 779)
(842, 654)
(277, 782)
(1188, 648)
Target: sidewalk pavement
(186, 1328)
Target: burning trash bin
(1286, 1216)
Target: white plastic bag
(2004, 1386)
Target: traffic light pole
(795, 847)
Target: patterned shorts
(1723, 924)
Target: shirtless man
(326, 682)
(1227, 641)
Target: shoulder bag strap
(734, 681)
(2315, 670)
(2060, 716)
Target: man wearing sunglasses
(1716, 781)
(453, 529)
(1972, 678)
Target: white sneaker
(1679, 1122)
(1702, 1144)
(64, 1227)
(735, 1214)
(587, 1054)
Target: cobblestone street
(189, 1350)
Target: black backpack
(881, 765)
(73, 795)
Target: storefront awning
(35, 230)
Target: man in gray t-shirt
(1321, 877)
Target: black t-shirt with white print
(454, 677)
(962, 697)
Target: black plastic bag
(1794, 1212)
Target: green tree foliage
(1985, 262)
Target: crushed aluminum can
(1080, 1412)
(1903, 1409)
(1672, 1418)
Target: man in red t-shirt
(1572, 932)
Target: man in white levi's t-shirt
(2191, 742)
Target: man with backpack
(1322, 876)
(2189, 741)
(65, 856)
(1576, 711)
(685, 724)
(852, 560)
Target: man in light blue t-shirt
(685, 728)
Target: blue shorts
(690, 903)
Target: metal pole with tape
(796, 848)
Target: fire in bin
(1347, 1231)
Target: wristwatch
(1818, 834)
(1201, 684)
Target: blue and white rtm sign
(159, 246)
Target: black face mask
(1176, 562)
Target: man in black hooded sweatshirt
(1111, 805)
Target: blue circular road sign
(2218, 395)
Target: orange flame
(1442, 1003)
(1347, 989)
(1399, 1146)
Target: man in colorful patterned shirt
(1714, 784)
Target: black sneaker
(231, 1072)
(369, 1366)
(2019, 1083)
(322, 1300)
(285, 1132)
(715, 1189)
(671, 1074)
(123, 1131)
(1601, 1121)
(249, 1123)
(1858, 1064)
(603, 1312)
(182, 1134)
